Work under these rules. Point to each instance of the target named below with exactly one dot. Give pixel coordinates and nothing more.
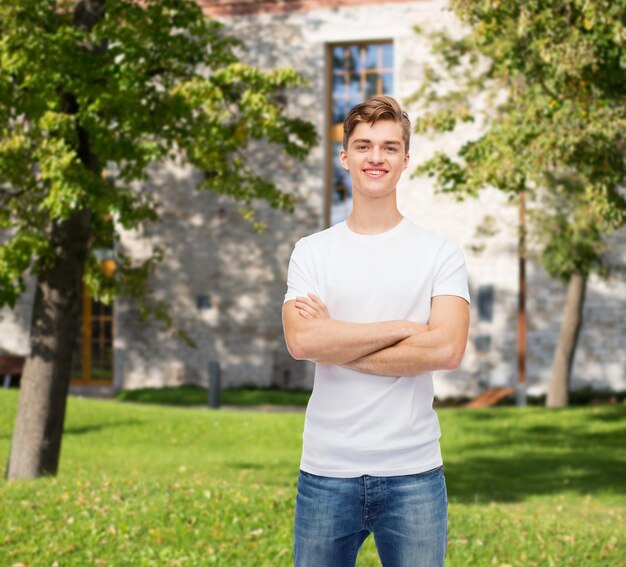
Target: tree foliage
(148, 82)
(545, 82)
(88, 86)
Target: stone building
(225, 283)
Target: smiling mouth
(375, 172)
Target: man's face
(375, 158)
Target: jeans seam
(365, 517)
(355, 551)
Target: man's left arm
(440, 347)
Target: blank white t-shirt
(357, 423)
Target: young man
(378, 303)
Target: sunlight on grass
(153, 485)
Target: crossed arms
(387, 348)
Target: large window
(357, 72)
(93, 353)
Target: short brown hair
(374, 109)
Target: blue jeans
(407, 515)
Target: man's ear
(343, 158)
(407, 157)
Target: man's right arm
(328, 341)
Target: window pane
(340, 99)
(339, 86)
(355, 86)
(101, 372)
(371, 85)
(340, 110)
(387, 83)
(371, 58)
(387, 55)
(355, 58)
(338, 60)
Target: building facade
(225, 283)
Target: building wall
(217, 253)
(221, 8)
(15, 324)
(212, 252)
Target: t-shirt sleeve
(451, 273)
(301, 274)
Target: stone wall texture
(220, 8)
(225, 283)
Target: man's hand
(311, 307)
(311, 334)
(440, 347)
(436, 346)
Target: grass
(196, 396)
(144, 485)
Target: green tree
(544, 79)
(89, 83)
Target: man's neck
(372, 218)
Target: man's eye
(361, 148)
(391, 149)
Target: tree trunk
(558, 392)
(36, 445)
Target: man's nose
(375, 155)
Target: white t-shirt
(357, 423)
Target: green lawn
(152, 485)
(195, 396)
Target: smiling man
(377, 303)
